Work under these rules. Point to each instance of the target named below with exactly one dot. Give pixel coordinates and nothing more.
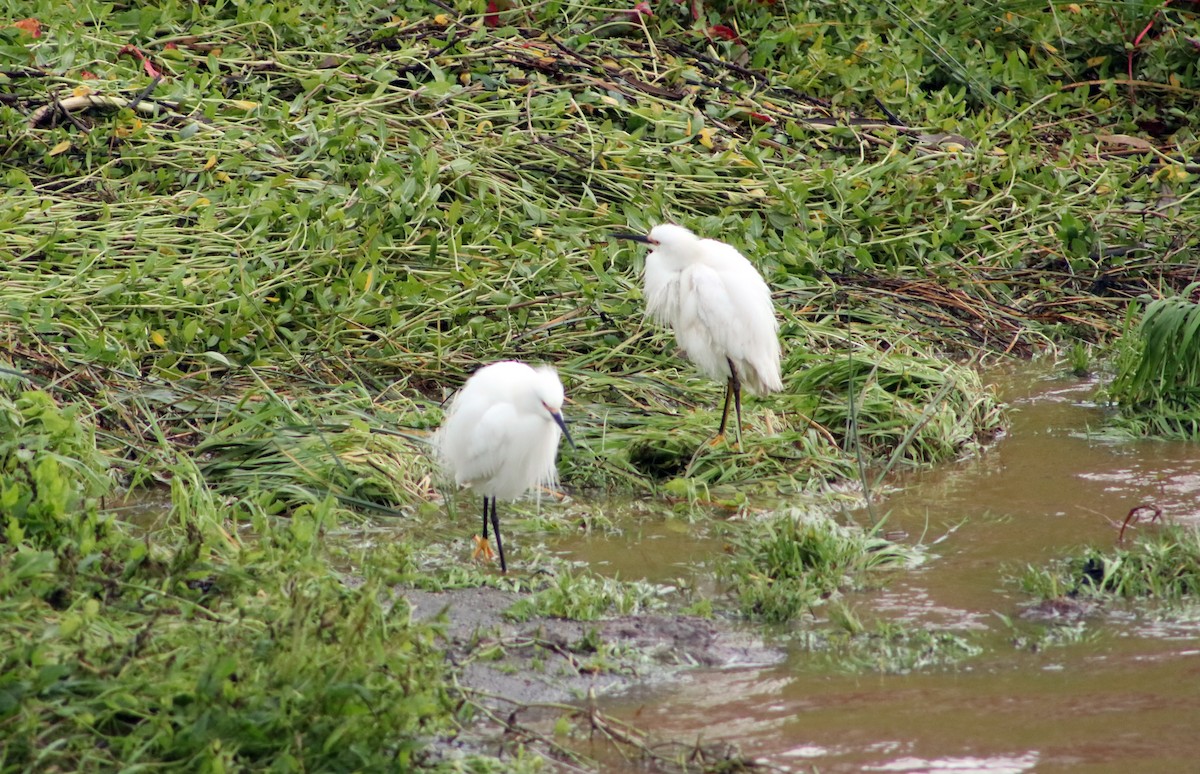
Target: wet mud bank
(554, 660)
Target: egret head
(672, 239)
(673, 242)
(547, 391)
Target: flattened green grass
(346, 211)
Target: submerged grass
(895, 648)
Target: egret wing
(735, 311)
(720, 311)
(490, 444)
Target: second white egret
(719, 307)
(500, 436)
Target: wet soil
(551, 660)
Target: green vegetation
(324, 216)
(255, 280)
(1158, 383)
(788, 565)
(1162, 563)
(192, 650)
(587, 598)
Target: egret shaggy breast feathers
(500, 436)
(719, 307)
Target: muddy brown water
(1123, 697)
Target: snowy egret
(719, 307)
(500, 436)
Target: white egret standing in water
(500, 436)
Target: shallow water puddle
(1123, 697)
(657, 550)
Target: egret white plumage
(719, 307)
(500, 436)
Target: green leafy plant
(787, 565)
(1158, 385)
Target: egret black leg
(496, 528)
(725, 412)
(736, 384)
(733, 389)
(485, 517)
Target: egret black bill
(633, 238)
(562, 423)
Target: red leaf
(147, 65)
(492, 17)
(170, 47)
(723, 32)
(88, 75)
(30, 25)
(761, 118)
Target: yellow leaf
(441, 20)
(80, 91)
(1095, 61)
(158, 338)
(1050, 48)
(212, 162)
(1074, 8)
(953, 147)
(370, 280)
(201, 201)
(62, 147)
(124, 130)
(464, 78)
(483, 126)
(607, 100)
(1173, 79)
(222, 177)
(244, 104)
(705, 136)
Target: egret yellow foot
(719, 438)
(482, 547)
